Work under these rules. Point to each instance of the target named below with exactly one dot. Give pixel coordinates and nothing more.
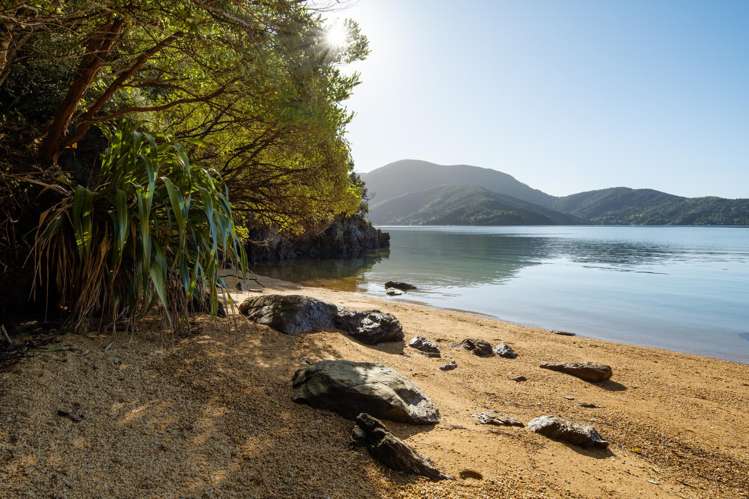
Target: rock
(492, 418)
(350, 388)
(472, 474)
(587, 405)
(449, 366)
(505, 350)
(588, 371)
(370, 327)
(563, 333)
(393, 292)
(75, 414)
(290, 314)
(478, 347)
(391, 450)
(519, 379)
(403, 286)
(562, 430)
(426, 347)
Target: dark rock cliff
(347, 237)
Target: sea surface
(680, 288)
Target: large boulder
(350, 388)
(562, 430)
(290, 314)
(588, 371)
(391, 450)
(370, 327)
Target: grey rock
(424, 346)
(449, 366)
(504, 350)
(403, 286)
(290, 314)
(478, 347)
(588, 371)
(562, 430)
(350, 388)
(393, 292)
(563, 333)
(390, 450)
(370, 327)
(492, 418)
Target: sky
(565, 95)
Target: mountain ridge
(395, 185)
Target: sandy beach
(211, 415)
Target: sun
(336, 35)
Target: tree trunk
(98, 47)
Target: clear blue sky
(564, 95)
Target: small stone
(492, 418)
(504, 350)
(479, 347)
(588, 405)
(587, 371)
(569, 397)
(393, 292)
(424, 346)
(563, 333)
(449, 366)
(562, 430)
(472, 474)
(519, 379)
(403, 286)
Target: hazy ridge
(414, 192)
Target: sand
(210, 415)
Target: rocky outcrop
(562, 430)
(391, 450)
(297, 314)
(347, 237)
(424, 346)
(492, 418)
(349, 388)
(589, 371)
(370, 327)
(478, 347)
(290, 314)
(403, 286)
(504, 350)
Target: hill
(464, 205)
(416, 192)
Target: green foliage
(152, 227)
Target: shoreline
(212, 414)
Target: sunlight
(336, 35)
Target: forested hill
(413, 192)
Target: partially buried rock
(588, 371)
(519, 379)
(449, 366)
(562, 430)
(492, 418)
(505, 350)
(393, 292)
(350, 388)
(424, 346)
(370, 327)
(403, 286)
(478, 347)
(391, 450)
(290, 314)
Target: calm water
(682, 288)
